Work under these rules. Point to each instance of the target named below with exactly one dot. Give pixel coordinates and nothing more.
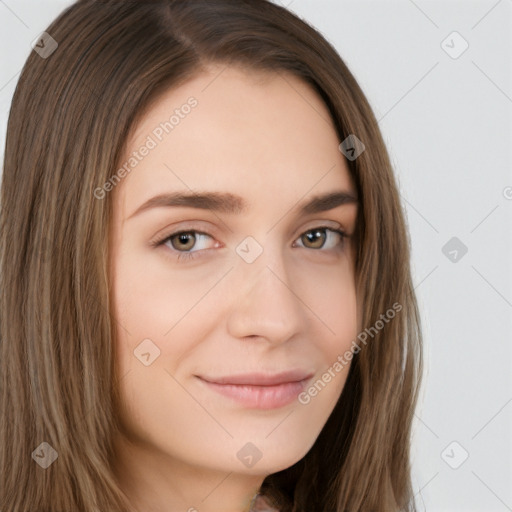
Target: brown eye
(183, 241)
(185, 244)
(316, 238)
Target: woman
(207, 302)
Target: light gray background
(447, 123)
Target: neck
(155, 482)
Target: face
(243, 283)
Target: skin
(268, 138)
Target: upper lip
(261, 379)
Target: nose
(266, 304)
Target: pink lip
(258, 390)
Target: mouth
(258, 390)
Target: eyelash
(189, 255)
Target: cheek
(157, 294)
(342, 313)
(160, 324)
(336, 307)
(332, 299)
(149, 300)
(154, 333)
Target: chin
(273, 460)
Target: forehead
(235, 130)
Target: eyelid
(322, 223)
(164, 238)
(184, 227)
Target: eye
(317, 237)
(182, 242)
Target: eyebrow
(225, 202)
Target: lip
(259, 390)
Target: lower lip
(260, 397)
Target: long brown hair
(71, 115)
